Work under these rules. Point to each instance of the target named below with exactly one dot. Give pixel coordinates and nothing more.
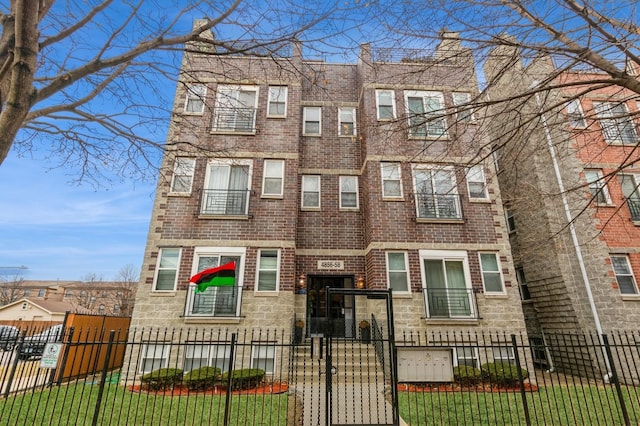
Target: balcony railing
(225, 202)
(436, 206)
(240, 120)
(450, 303)
(213, 302)
(634, 208)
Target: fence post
(523, 393)
(103, 378)
(227, 402)
(615, 381)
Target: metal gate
(361, 372)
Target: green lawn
(567, 405)
(75, 405)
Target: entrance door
(341, 313)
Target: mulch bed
(448, 387)
(182, 390)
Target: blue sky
(63, 231)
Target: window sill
(257, 293)
(212, 320)
(223, 217)
(179, 194)
(403, 295)
(272, 197)
(192, 113)
(349, 209)
(425, 220)
(392, 198)
(312, 135)
(630, 297)
(313, 209)
(495, 295)
(429, 138)
(232, 132)
(160, 293)
(277, 117)
(451, 321)
(347, 136)
(480, 200)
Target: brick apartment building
(311, 174)
(574, 212)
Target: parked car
(8, 337)
(33, 346)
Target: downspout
(572, 231)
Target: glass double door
(336, 316)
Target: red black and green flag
(220, 276)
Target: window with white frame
(346, 121)
(182, 179)
(436, 192)
(391, 180)
(277, 101)
(153, 357)
(167, 269)
(462, 102)
(263, 356)
(491, 274)
(425, 111)
(116, 308)
(227, 187)
(522, 283)
(503, 354)
(268, 270)
(466, 355)
(235, 109)
(216, 301)
(385, 105)
(348, 192)
(476, 183)
(197, 356)
(511, 221)
(630, 184)
(447, 284)
(597, 186)
(617, 125)
(312, 121)
(310, 192)
(194, 103)
(624, 274)
(574, 114)
(273, 182)
(397, 272)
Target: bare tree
(83, 80)
(11, 289)
(125, 294)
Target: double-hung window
(476, 183)
(617, 125)
(268, 270)
(491, 274)
(310, 192)
(182, 178)
(346, 121)
(385, 105)
(391, 180)
(348, 192)
(462, 102)
(436, 193)
(397, 272)
(447, 284)
(215, 301)
(273, 182)
(597, 186)
(277, 102)
(312, 121)
(263, 356)
(194, 103)
(575, 115)
(631, 192)
(503, 352)
(425, 112)
(227, 188)
(235, 109)
(167, 270)
(153, 357)
(624, 274)
(466, 355)
(216, 355)
(522, 283)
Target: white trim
(164, 355)
(354, 121)
(187, 164)
(305, 112)
(406, 271)
(463, 98)
(302, 192)
(192, 93)
(357, 206)
(157, 270)
(470, 173)
(439, 112)
(286, 95)
(398, 169)
(482, 272)
(265, 177)
(393, 104)
(255, 346)
(277, 270)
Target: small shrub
(247, 378)
(466, 375)
(202, 378)
(502, 373)
(164, 378)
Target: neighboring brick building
(339, 175)
(573, 209)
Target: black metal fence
(568, 379)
